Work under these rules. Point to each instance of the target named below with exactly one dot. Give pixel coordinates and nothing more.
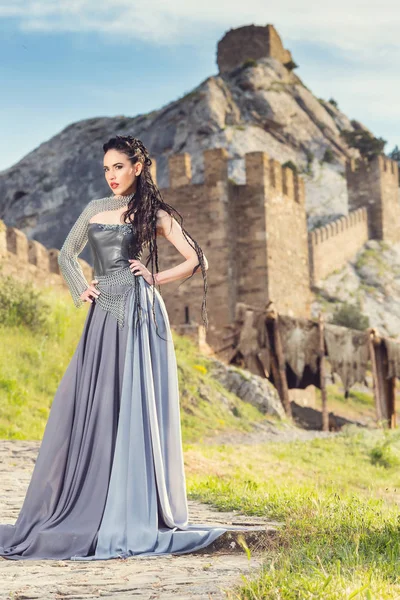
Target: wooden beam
(322, 376)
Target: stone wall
(250, 41)
(253, 235)
(206, 217)
(375, 185)
(272, 249)
(334, 244)
(29, 260)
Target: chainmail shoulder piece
(74, 245)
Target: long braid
(143, 210)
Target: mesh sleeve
(68, 257)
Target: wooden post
(391, 384)
(387, 386)
(281, 367)
(322, 377)
(375, 379)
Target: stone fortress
(254, 235)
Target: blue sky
(62, 62)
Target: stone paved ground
(207, 574)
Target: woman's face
(120, 173)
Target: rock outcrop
(248, 387)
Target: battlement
(335, 243)
(323, 233)
(30, 260)
(261, 170)
(375, 184)
(380, 165)
(215, 168)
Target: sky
(67, 60)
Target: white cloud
(361, 36)
(364, 27)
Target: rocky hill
(258, 105)
(371, 280)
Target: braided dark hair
(143, 209)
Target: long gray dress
(109, 477)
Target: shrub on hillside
(249, 62)
(368, 145)
(350, 315)
(21, 304)
(329, 156)
(290, 165)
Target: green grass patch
(32, 363)
(340, 535)
(207, 407)
(355, 398)
(34, 359)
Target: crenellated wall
(254, 237)
(29, 260)
(272, 244)
(375, 185)
(205, 209)
(334, 244)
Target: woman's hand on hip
(138, 268)
(90, 292)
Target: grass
(338, 505)
(357, 403)
(336, 499)
(32, 364)
(373, 257)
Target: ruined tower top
(251, 41)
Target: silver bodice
(109, 244)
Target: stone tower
(251, 41)
(254, 237)
(375, 185)
(271, 253)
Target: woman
(109, 478)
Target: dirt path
(205, 574)
(267, 432)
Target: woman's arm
(169, 227)
(68, 257)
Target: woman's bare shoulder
(162, 214)
(164, 222)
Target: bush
(382, 455)
(249, 62)
(333, 102)
(310, 160)
(368, 145)
(22, 304)
(329, 156)
(290, 165)
(350, 315)
(395, 155)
